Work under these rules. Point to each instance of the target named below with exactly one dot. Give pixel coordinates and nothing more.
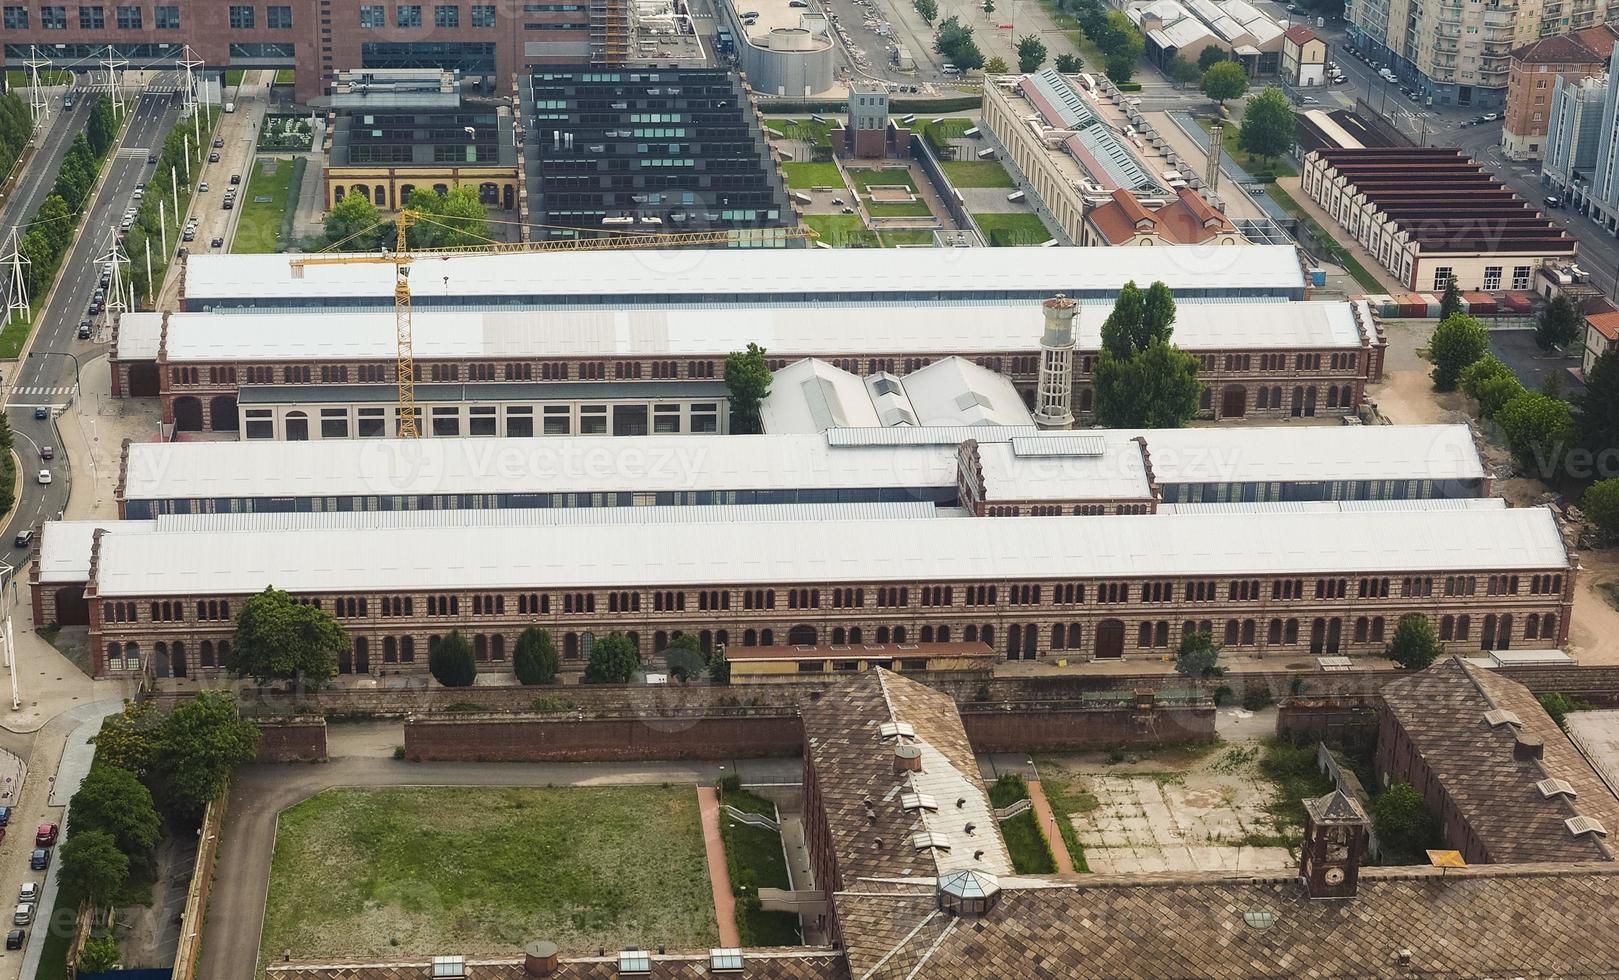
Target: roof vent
(907, 758)
(541, 959)
(1528, 747)
(1501, 716)
(1404, 956)
(926, 840)
(896, 729)
(1585, 825)
(725, 961)
(449, 968)
(634, 962)
(1556, 787)
(918, 801)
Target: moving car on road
(44, 478)
(24, 538)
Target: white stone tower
(1054, 395)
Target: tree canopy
(747, 375)
(450, 661)
(1457, 341)
(1031, 53)
(1183, 72)
(1414, 645)
(1597, 408)
(1141, 379)
(203, 739)
(92, 867)
(928, 9)
(1451, 301)
(1067, 64)
(280, 638)
(614, 660)
(995, 66)
(111, 799)
(128, 740)
(684, 658)
(1267, 124)
(1539, 429)
(1402, 821)
(1491, 382)
(354, 215)
(1197, 656)
(448, 220)
(955, 41)
(1558, 324)
(1224, 80)
(1211, 55)
(534, 659)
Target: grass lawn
(841, 230)
(1294, 777)
(284, 76)
(906, 209)
(890, 176)
(802, 176)
(233, 76)
(366, 873)
(1335, 251)
(1231, 142)
(894, 239)
(1014, 228)
(805, 130)
(1027, 845)
(755, 859)
(942, 132)
(977, 173)
(260, 224)
(19, 79)
(1067, 798)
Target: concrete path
(235, 919)
(719, 875)
(1048, 826)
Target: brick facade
(291, 739)
(717, 734)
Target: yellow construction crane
(401, 257)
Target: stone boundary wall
(298, 739)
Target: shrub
(1601, 506)
(614, 660)
(1009, 787)
(1414, 645)
(451, 661)
(1224, 696)
(1558, 705)
(1257, 698)
(1402, 820)
(535, 660)
(1457, 342)
(729, 783)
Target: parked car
(84, 330)
(151, 158)
(218, 242)
(202, 188)
(5, 816)
(235, 179)
(23, 915)
(182, 251)
(1553, 202)
(219, 142)
(44, 478)
(29, 892)
(41, 412)
(229, 204)
(188, 236)
(46, 835)
(95, 307)
(40, 859)
(213, 158)
(15, 938)
(47, 451)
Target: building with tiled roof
(806, 963)
(1304, 57)
(1601, 330)
(1505, 782)
(1535, 70)
(1186, 219)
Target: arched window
(205, 653)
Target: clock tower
(1335, 833)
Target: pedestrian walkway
(1048, 823)
(719, 876)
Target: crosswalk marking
(43, 390)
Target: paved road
(230, 943)
(46, 377)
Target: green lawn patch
(894, 239)
(755, 860)
(1031, 854)
(1294, 777)
(20, 79)
(804, 130)
(259, 229)
(367, 873)
(1231, 144)
(1325, 239)
(906, 209)
(842, 230)
(233, 76)
(1015, 228)
(802, 176)
(977, 173)
(885, 177)
(284, 76)
(1068, 798)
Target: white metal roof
(1333, 506)
(1239, 454)
(1116, 473)
(811, 395)
(64, 546)
(955, 391)
(795, 331)
(647, 464)
(238, 562)
(633, 275)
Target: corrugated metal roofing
(926, 435)
(238, 562)
(1336, 506)
(1058, 445)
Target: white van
(1016, 196)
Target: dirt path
(1042, 813)
(719, 876)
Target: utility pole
(162, 230)
(17, 292)
(115, 67)
(38, 104)
(191, 63)
(114, 260)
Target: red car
(46, 836)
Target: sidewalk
(1048, 826)
(719, 875)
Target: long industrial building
(993, 470)
(763, 277)
(638, 371)
(1325, 583)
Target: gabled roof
(1300, 34)
(1591, 46)
(1443, 710)
(1187, 220)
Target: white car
(44, 476)
(29, 893)
(23, 915)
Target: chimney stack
(1528, 747)
(540, 959)
(1054, 394)
(907, 758)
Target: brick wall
(1332, 717)
(1026, 727)
(532, 738)
(292, 739)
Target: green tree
(1557, 705)
(1451, 302)
(1183, 72)
(1458, 341)
(41, 258)
(995, 66)
(103, 126)
(1197, 657)
(77, 174)
(614, 660)
(535, 660)
(353, 224)
(112, 800)
(1539, 429)
(747, 376)
(989, 6)
(203, 739)
(451, 663)
(1267, 124)
(1402, 821)
(1211, 55)
(129, 739)
(1601, 506)
(280, 638)
(684, 658)
(57, 221)
(1597, 408)
(928, 9)
(1126, 50)
(100, 954)
(1414, 645)
(1031, 53)
(1491, 382)
(93, 868)
(1068, 64)
(1223, 81)
(1558, 324)
(1141, 379)
(719, 669)
(452, 220)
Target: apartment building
(1531, 83)
(1455, 52)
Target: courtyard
(364, 873)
